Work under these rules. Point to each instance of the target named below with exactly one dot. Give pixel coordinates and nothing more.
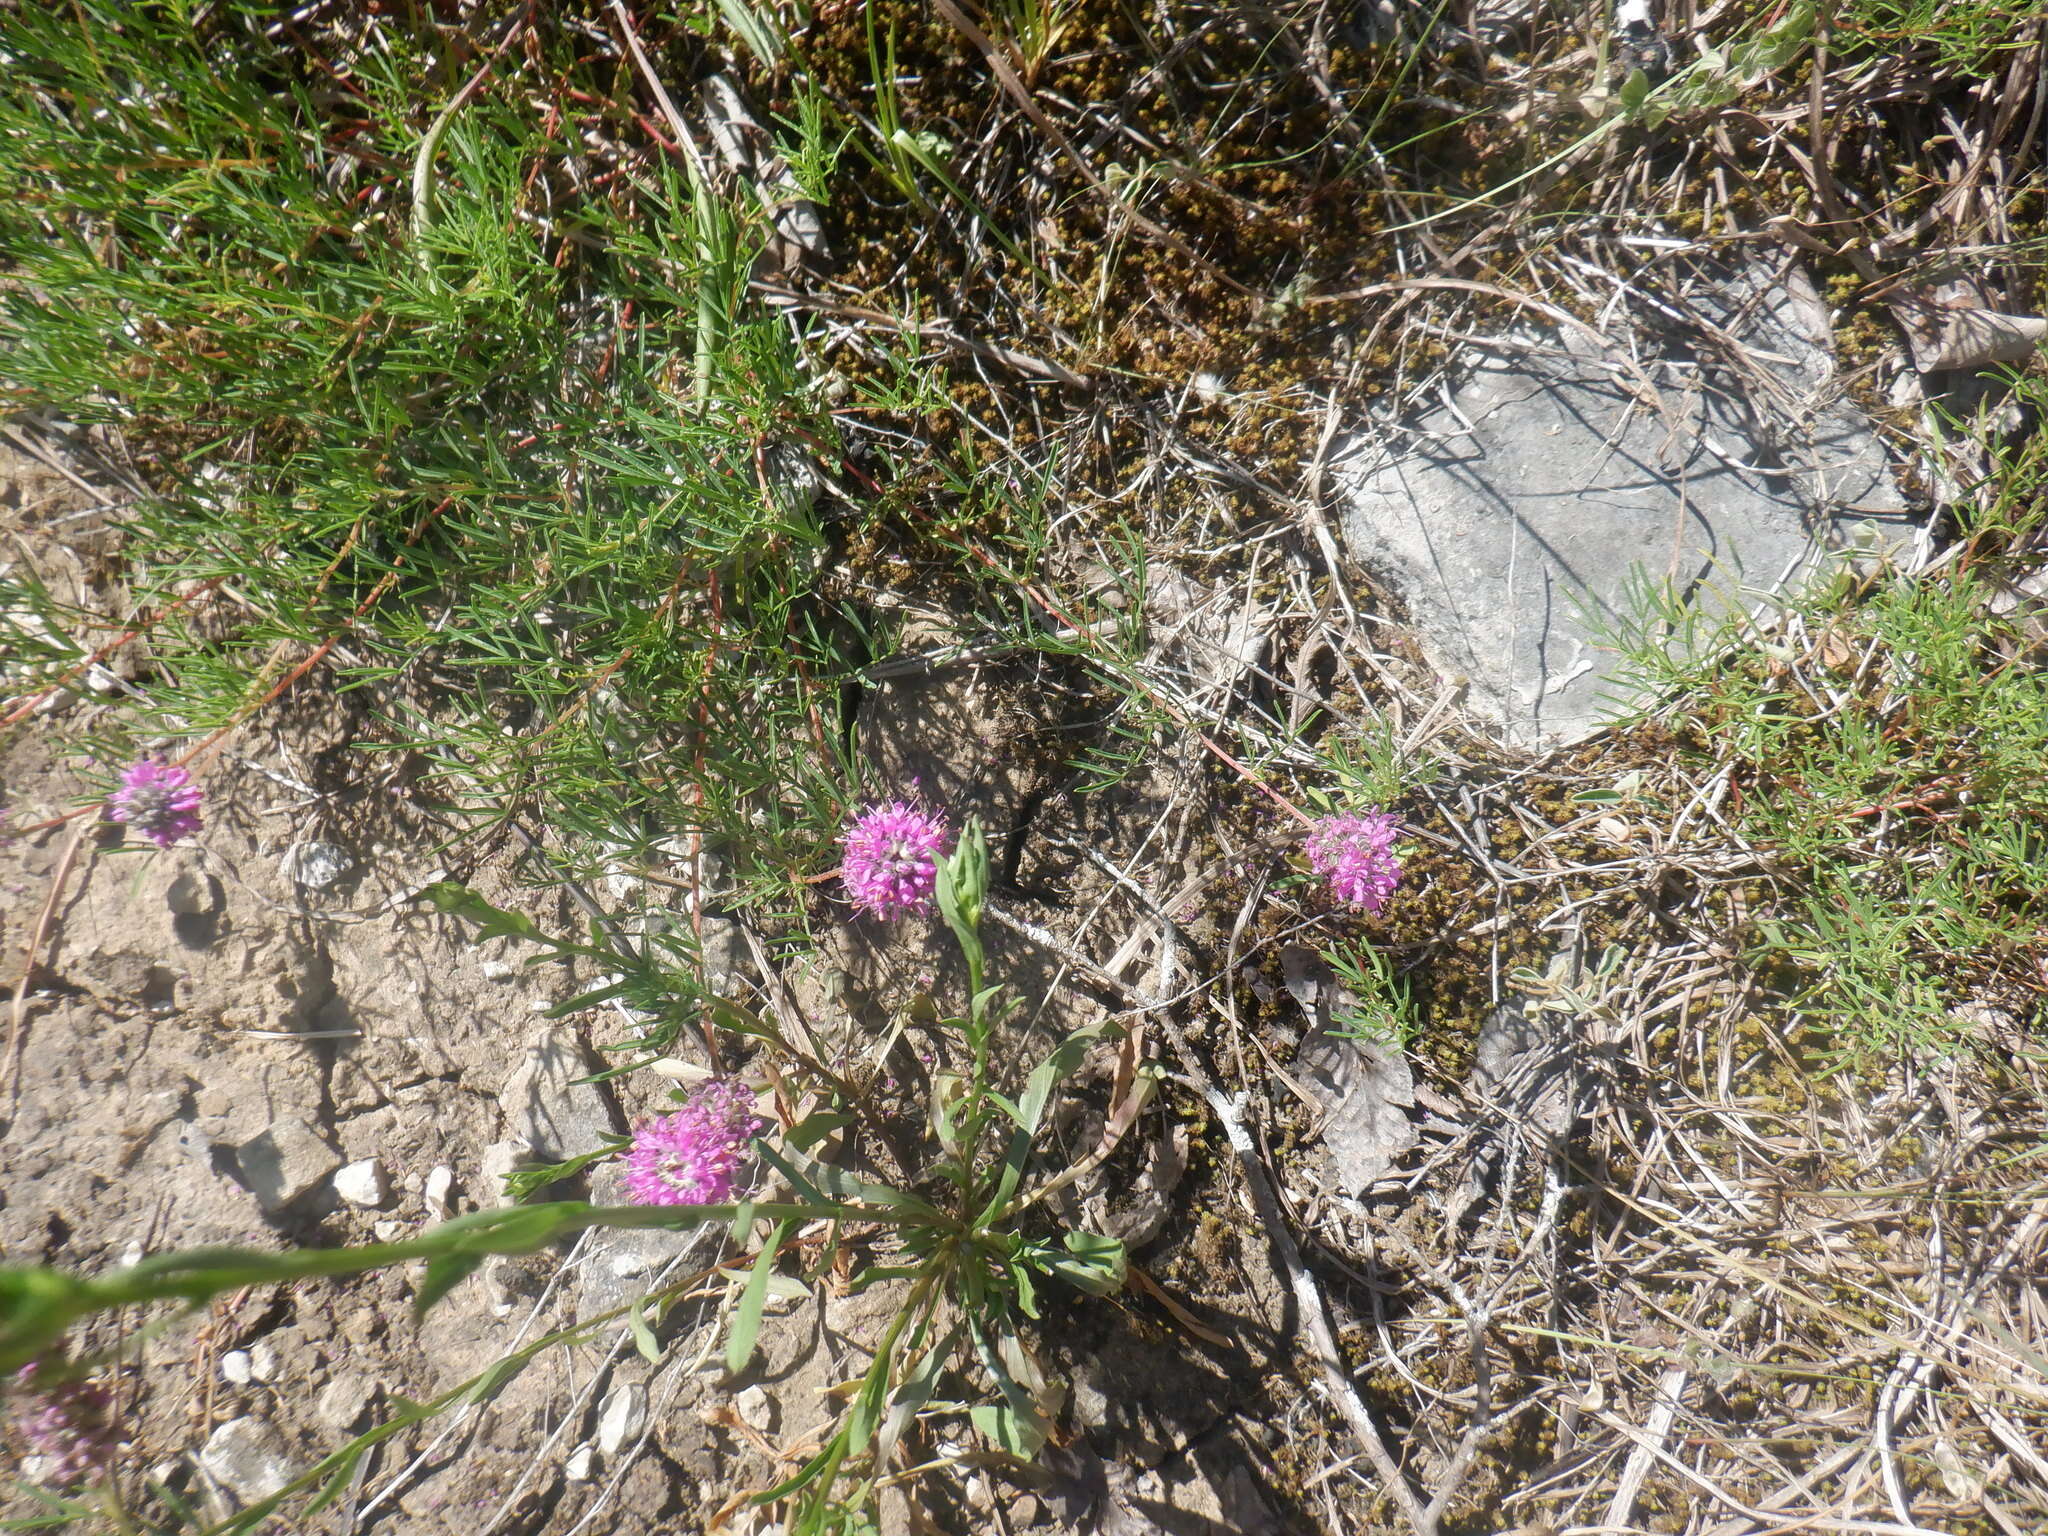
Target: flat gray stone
(620, 1265)
(346, 1401)
(549, 1109)
(247, 1457)
(1517, 519)
(286, 1160)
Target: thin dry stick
(1308, 1295)
(1179, 716)
(1670, 1389)
(1917, 1365)
(1549, 311)
(700, 173)
(1308, 1299)
(940, 331)
(16, 1035)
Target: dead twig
(1314, 1311)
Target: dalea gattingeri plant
(968, 1242)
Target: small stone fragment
(365, 1183)
(247, 1457)
(284, 1162)
(499, 970)
(345, 1401)
(502, 1279)
(263, 1361)
(755, 1408)
(581, 1466)
(499, 1159)
(315, 865)
(1524, 1068)
(622, 1417)
(437, 1196)
(235, 1368)
(547, 1104)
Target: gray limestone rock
(548, 1108)
(346, 1401)
(285, 1161)
(622, 1417)
(619, 1265)
(495, 1164)
(247, 1457)
(1519, 520)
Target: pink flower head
(65, 1419)
(1356, 855)
(892, 858)
(696, 1155)
(157, 800)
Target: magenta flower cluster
(697, 1155)
(64, 1419)
(1356, 855)
(892, 858)
(158, 800)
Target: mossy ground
(1746, 1190)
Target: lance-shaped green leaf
(1058, 1065)
(494, 922)
(1094, 1263)
(912, 1394)
(1017, 1423)
(746, 1321)
(839, 1185)
(36, 1306)
(962, 890)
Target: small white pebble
(263, 1361)
(499, 970)
(364, 1183)
(753, 1407)
(581, 1466)
(315, 865)
(236, 1369)
(388, 1231)
(436, 1196)
(622, 1417)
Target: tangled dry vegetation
(1637, 1225)
(1672, 1253)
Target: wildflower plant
(892, 858)
(158, 800)
(1355, 854)
(698, 1155)
(63, 1419)
(964, 1236)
